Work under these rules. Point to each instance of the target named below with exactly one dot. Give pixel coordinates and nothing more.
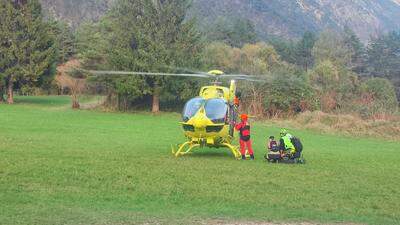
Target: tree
(159, 39)
(26, 44)
(255, 59)
(93, 42)
(233, 31)
(297, 52)
(383, 55)
(379, 96)
(2, 85)
(356, 47)
(220, 55)
(287, 50)
(64, 40)
(245, 32)
(334, 85)
(384, 58)
(304, 47)
(144, 36)
(288, 92)
(331, 46)
(74, 80)
(9, 36)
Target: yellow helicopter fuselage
(212, 129)
(208, 120)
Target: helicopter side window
(216, 110)
(191, 108)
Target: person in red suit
(244, 129)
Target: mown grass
(59, 166)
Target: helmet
(244, 116)
(283, 132)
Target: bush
(288, 93)
(378, 95)
(30, 91)
(336, 87)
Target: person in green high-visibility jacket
(286, 145)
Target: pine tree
(27, 52)
(40, 51)
(287, 50)
(9, 45)
(64, 40)
(233, 31)
(331, 46)
(244, 32)
(384, 58)
(353, 43)
(143, 35)
(304, 57)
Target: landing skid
(187, 147)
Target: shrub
(378, 95)
(335, 86)
(288, 93)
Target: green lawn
(59, 166)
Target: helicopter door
(233, 112)
(191, 108)
(216, 110)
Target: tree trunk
(75, 101)
(156, 100)
(2, 94)
(10, 94)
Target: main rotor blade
(242, 75)
(101, 72)
(245, 77)
(185, 70)
(251, 80)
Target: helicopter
(208, 119)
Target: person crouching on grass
(244, 129)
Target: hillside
(285, 18)
(290, 18)
(74, 12)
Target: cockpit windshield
(191, 108)
(216, 110)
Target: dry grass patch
(387, 127)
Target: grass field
(59, 166)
